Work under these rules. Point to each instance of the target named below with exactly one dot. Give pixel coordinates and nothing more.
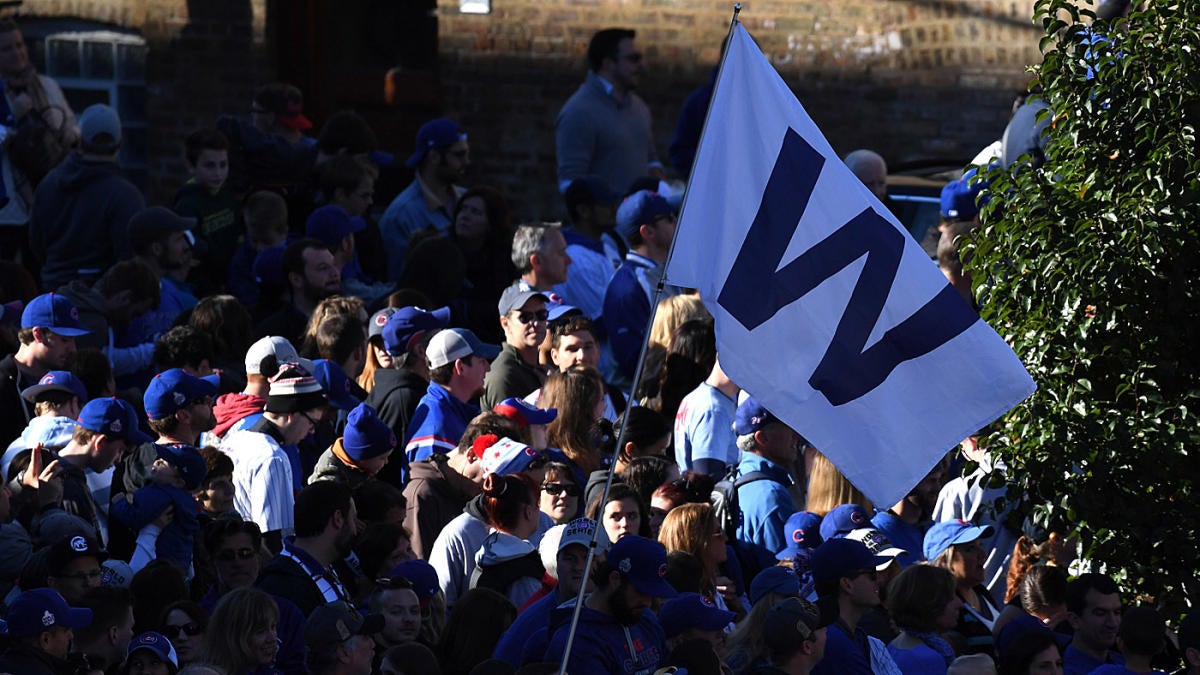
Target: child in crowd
(175, 474)
(266, 217)
(206, 198)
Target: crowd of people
(237, 439)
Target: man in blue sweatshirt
(617, 632)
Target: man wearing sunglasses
(844, 571)
(516, 373)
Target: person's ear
(1191, 656)
(112, 634)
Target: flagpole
(637, 377)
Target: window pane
(133, 147)
(98, 60)
(131, 62)
(131, 103)
(64, 58)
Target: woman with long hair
(923, 604)
(689, 360)
(693, 528)
(561, 493)
(241, 637)
(377, 356)
(647, 434)
(621, 514)
(578, 394)
(475, 625)
(507, 562)
(954, 545)
(828, 488)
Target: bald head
(870, 168)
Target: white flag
(826, 310)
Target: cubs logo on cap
(79, 544)
(625, 566)
(46, 379)
(47, 619)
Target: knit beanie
(366, 435)
(294, 389)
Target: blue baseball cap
(751, 416)
(644, 563)
(36, 611)
(408, 324)
(837, 558)
(439, 133)
(524, 413)
(366, 435)
(782, 580)
(55, 313)
(56, 380)
(172, 390)
(950, 533)
(692, 610)
(422, 576)
(157, 644)
(187, 460)
(640, 208)
(335, 382)
(112, 417)
(331, 224)
(802, 531)
(268, 266)
(960, 198)
(844, 519)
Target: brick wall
(909, 78)
(204, 59)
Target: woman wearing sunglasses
(184, 624)
(560, 493)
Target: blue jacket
(604, 647)
(590, 272)
(844, 654)
(408, 214)
(627, 309)
(766, 506)
(535, 618)
(176, 540)
(437, 424)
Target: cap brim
(715, 619)
(971, 534)
(344, 402)
(78, 617)
(888, 554)
(788, 553)
(657, 589)
(67, 331)
(136, 436)
(31, 393)
(487, 351)
(214, 380)
(442, 314)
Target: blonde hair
(238, 616)
(672, 312)
(828, 488)
(689, 528)
(335, 304)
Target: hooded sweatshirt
(79, 225)
(604, 647)
(434, 496)
(510, 565)
(231, 408)
(52, 432)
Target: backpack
(724, 499)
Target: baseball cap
(503, 456)
(842, 520)
(692, 610)
(187, 460)
(408, 324)
(99, 119)
(640, 208)
(336, 384)
(41, 609)
(64, 550)
(959, 197)
(56, 380)
(524, 413)
(802, 531)
(115, 573)
(294, 389)
(422, 576)
(644, 563)
(173, 389)
(267, 267)
(457, 343)
(55, 313)
(580, 531)
(366, 435)
(330, 224)
(877, 543)
(782, 580)
(751, 416)
(286, 103)
(439, 133)
(791, 622)
(112, 417)
(274, 346)
(58, 525)
(337, 622)
(837, 558)
(379, 320)
(155, 643)
(949, 533)
(514, 298)
(154, 223)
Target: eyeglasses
(190, 629)
(560, 488)
(93, 576)
(314, 423)
(229, 554)
(533, 317)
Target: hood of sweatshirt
(230, 408)
(76, 173)
(52, 432)
(501, 546)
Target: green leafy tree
(1089, 264)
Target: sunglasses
(531, 317)
(230, 554)
(393, 583)
(190, 629)
(556, 489)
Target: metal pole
(637, 376)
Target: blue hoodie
(604, 647)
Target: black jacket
(15, 413)
(287, 579)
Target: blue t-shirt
(911, 538)
(704, 428)
(920, 660)
(844, 654)
(1076, 662)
